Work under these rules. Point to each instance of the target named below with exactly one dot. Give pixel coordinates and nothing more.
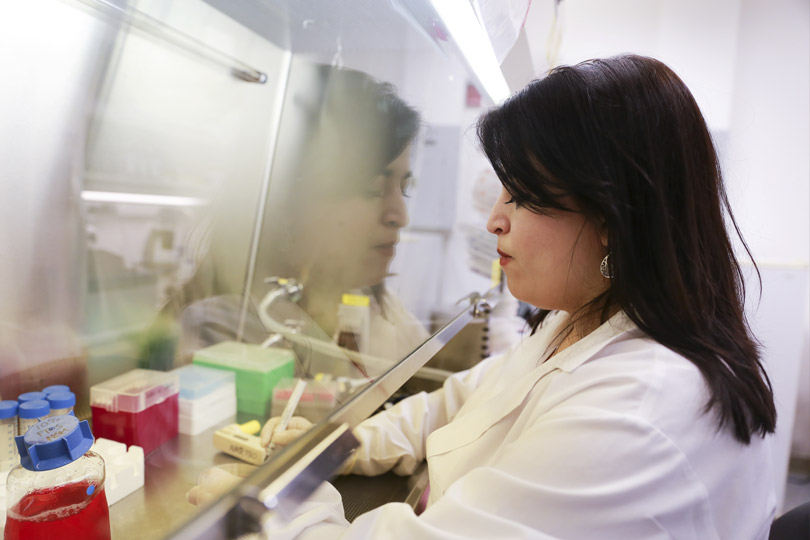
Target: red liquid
(148, 429)
(44, 515)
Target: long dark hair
(625, 138)
(355, 126)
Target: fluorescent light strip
(459, 18)
(140, 198)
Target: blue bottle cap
(8, 409)
(31, 396)
(56, 388)
(54, 442)
(62, 400)
(34, 409)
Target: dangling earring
(605, 268)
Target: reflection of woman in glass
(345, 142)
(332, 220)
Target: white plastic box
(207, 398)
(123, 469)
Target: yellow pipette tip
(251, 428)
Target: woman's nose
(497, 223)
(395, 213)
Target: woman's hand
(297, 426)
(216, 481)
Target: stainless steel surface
(278, 485)
(166, 123)
(291, 483)
(481, 308)
(171, 470)
(156, 28)
(362, 494)
(41, 152)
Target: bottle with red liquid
(57, 489)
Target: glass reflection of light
(459, 18)
(140, 198)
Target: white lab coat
(604, 440)
(393, 330)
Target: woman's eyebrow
(389, 173)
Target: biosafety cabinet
(261, 190)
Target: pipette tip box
(257, 370)
(207, 397)
(139, 407)
(317, 401)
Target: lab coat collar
(467, 428)
(574, 356)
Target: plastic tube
(31, 396)
(31, 412)
(56, 388)
(8, 430)
(61, 403)
(325, 347)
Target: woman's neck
(582, 326)
(320, 300)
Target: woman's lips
(387, 249)
(505, 258)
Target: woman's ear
(603, 232)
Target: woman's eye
(405, 186)
(514, 201)
(381, 188)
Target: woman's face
(358, 232)
(551, 261)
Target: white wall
(769, 161)
(767, 170)
(746, 62)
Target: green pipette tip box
(257, 369)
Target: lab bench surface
(160, 507)
(171, 470)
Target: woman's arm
(579, 474)
(395, 439)
(608, 461)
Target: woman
(638, 407)
(337, 225)
(332, 220)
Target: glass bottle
(57, 489)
